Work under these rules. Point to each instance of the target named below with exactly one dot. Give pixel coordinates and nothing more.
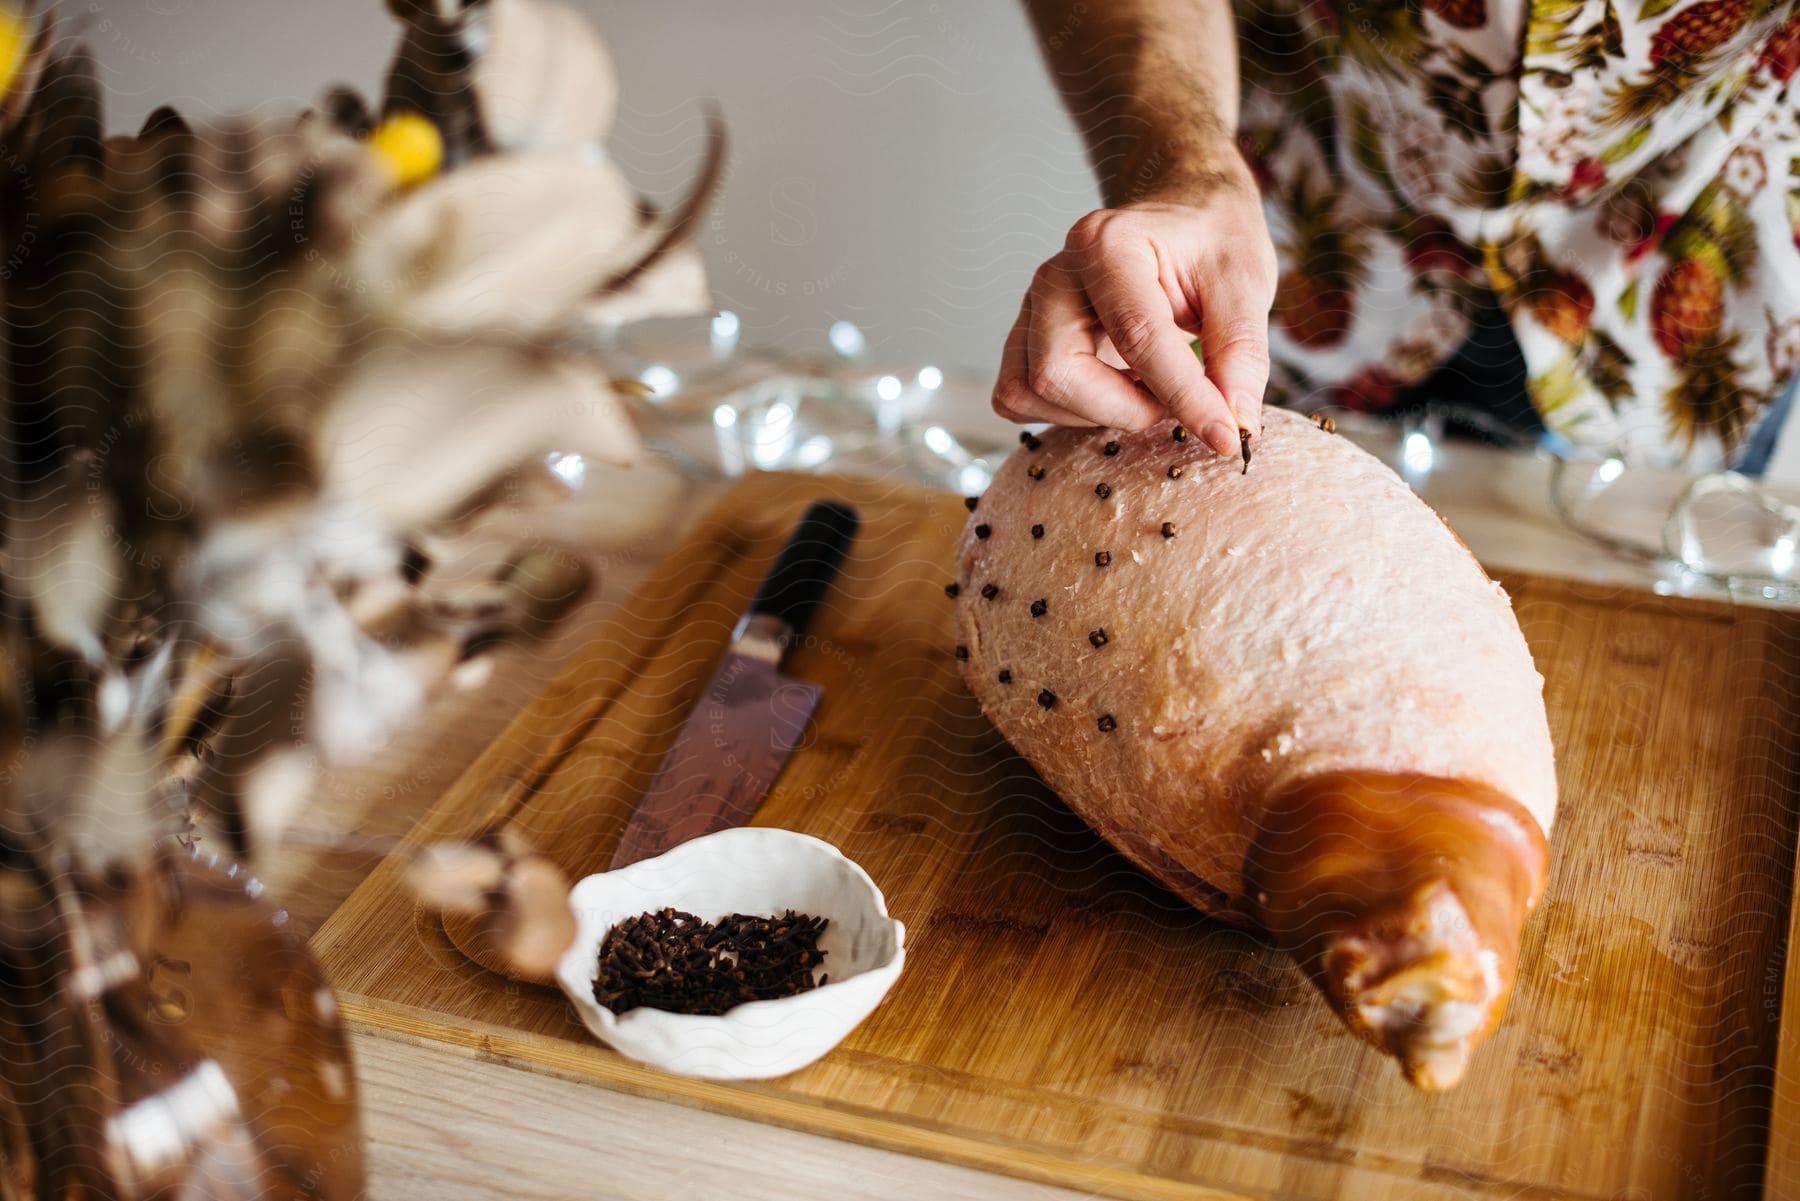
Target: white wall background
(900, 163)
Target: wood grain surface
(523, 1135)
(1063, 1019)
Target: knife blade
(749, 716)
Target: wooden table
(448, 1125)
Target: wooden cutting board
(1063, 1018)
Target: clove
(990, 591)
(1097, 638)
(1046, 699)
(1168, 529)
(1111, 449)
(1039, 607)
(1035, 471)
(952, 589)
(1244, 447)
(1102, 558)
(1103, 490)
(1107, 723)
(675, 961)
(983, 530)
(1037, 531)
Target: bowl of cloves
(742, 955)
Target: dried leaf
(672, 231)
(545, 81)
(345, 108)
(457, 877)
(97, 798)
(276, 791)
(521, 900)
(525, 599)
(514, 243)
(262, 716)
(63, 563)
(674, 286)
(163, 119)
(242, 412)
(541, 925)
(65, 115)
(417, 433)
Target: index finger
(1128, 297)
(1234, 337)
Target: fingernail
(1220, 438)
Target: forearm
(1152, 84)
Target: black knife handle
(803, 573)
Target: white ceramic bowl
(748, 869)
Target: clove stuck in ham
(1310, 711)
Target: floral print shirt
(1623, 174)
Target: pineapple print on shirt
(1623, 174)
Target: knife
(749, 716)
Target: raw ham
(1290, 694)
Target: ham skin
(1290, 694)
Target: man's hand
(1104, 335)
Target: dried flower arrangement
(254, 375)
